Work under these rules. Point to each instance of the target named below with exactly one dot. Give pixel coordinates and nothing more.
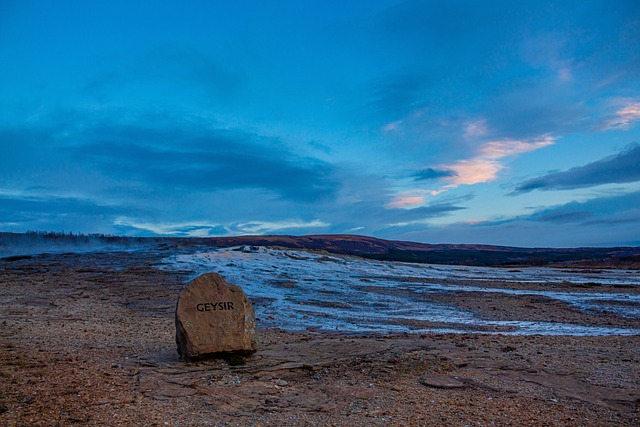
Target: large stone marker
(214, 317)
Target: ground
(89, 339)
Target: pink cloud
(473, 171)
(510, 147)
(485, 166)
(407, 199)
(626, 117)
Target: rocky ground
(89, 339)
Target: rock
(440, 381)
(214, 318)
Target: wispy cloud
(609, 220)
(486, 164)
(563, 217)
(476, 129)
(617, 209)
(473, 171)
(431, 173)
(510, 147)
(204, 228)
(625, 117)
(397, 97)
(37, 212)
(267, 227)
(193, 229)
(29, 205)
(608, 209)
(408, 199)
(619, 168)
(197, 158)
(421, 215)
(392, 126)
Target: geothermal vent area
(88, 338)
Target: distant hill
(17, 244)
(467, 254)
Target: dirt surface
(89, 339)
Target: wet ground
(301, 290)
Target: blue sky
(497, 122)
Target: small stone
(281, 383)
(440, 381)
(214, 318)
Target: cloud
(157, 173)
(181, 176)
(485, 165)
(599, 210)
(500, 149)
(397, 96)
(476, 129)
(269, 227)
(608, 210)
(35, 206)
(558, 63)
(602, 221)
(138, 226)
(461, 53)
(620, 168)
(473, 171)
(23, 211)
(392, 126)
(430, 173)
(421, 215)
(626, 218)
(407, 199)
(625, 117)
(196, 158)
(563, 217)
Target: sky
(489, 122)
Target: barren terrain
(89, 339)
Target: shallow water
(299, 290)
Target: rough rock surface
(213, 317)
(440, 381)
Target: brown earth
(89, 339)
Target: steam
(17, 245)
